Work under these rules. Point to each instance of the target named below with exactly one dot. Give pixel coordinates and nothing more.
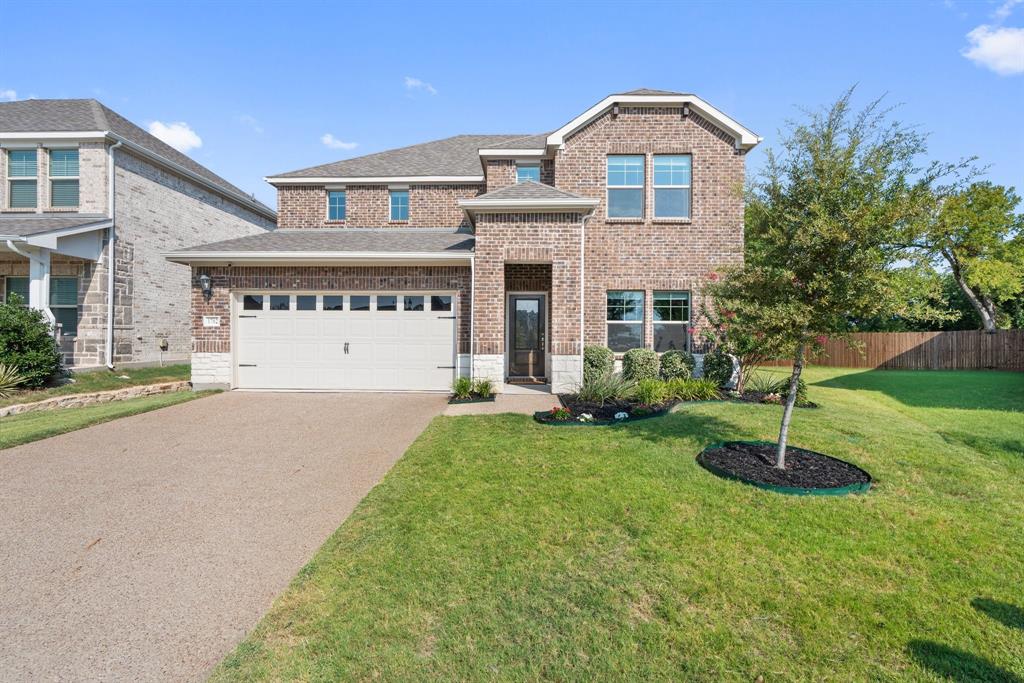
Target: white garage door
(400, 341)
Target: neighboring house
(496, 256)
(61, 216)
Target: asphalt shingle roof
(401, 240)
(45, 116)
(528, 189)
(523, 142)
(23, 226)
(455, 156)
(649, 91)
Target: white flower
(621, 415)
(586, 417)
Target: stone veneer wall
(369, 206)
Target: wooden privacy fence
(962, 350)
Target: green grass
(499, 549)
(101, 380)
(25, 427)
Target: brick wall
(317, 278)
(527, 277)
(505, 240)
(500, 173)
(92, 181)
(650, 254)
(368, 206)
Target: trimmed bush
(597, 362)
(693, 389)
(718, 367)
(27, 343)
(638, 364)
(605, 388)
(651, 392)
(677, 365)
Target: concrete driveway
(147, 547)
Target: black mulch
(804, 469)
(607, 411)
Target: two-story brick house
(496, 256)
(82, 187)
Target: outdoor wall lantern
(206, 284)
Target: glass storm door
(526, 323)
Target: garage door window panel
(440, 303)
(252, 302)
(334, 303)
(387, 303)
(279, 302)
(359, 303)
(413, 303)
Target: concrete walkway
(516, 398)
(145, 548)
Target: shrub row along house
(496, 256)
(81, 188)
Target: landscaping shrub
(27, 343)
(484, 388)
(692, 389)
(638, 364)
(718, 367)
(462, 387)
(10, 379)
(676, 365)
(597, 362)
(651, 392)
(767, 384)
(605, 388)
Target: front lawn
(25, 427)
(101, 380)
(501, 549)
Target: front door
(527, 323)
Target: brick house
(494, 256)
(81, 187)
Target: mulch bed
(754, 462)
(473, 399)
(758, 397)
(605, 414)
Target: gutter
(214, 257)
(111, 259)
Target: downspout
(583, 234)
(45, 308)
(111, 263)
(472, 311)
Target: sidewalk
(525, 400)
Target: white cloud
(8, 95)
(334, 143)
(416, 84)
(251, 123)
(1005, 9)
(998, 48)
(177, 134)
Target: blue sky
(261, 85)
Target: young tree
(977, 234)
(820, 224)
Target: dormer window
(336, 205)
(399, 205)
(527, 171)
(64, 178)
(22, 170)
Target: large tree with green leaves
(977, 234)
(821, 223)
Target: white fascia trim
(745, 138)
(503, 153)
(498, 204)
(313, 256)
(89, 135)
(374, 180)
(49, 239)
(245, 200)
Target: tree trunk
(787, 412)
(986, 309)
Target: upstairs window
(22, 170)
(336, 205)
(64, 178)
(672, 185)
(626, 186)
(527, 171)
(671, 320)
(625, 319)
(399, 205)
